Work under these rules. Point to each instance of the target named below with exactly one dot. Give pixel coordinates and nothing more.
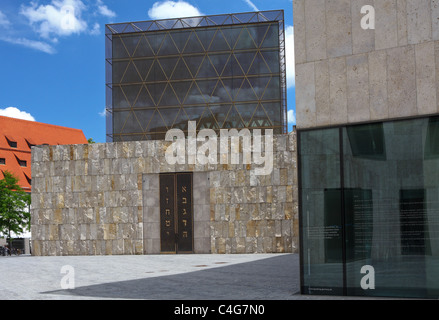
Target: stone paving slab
(155, 277)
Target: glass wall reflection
(222, 77)
(387, 199)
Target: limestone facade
(346, 74)
(103, 199)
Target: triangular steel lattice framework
(224, 71)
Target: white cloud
(13, 112)
(96, 29)
(4, 22)
(103, 113)
(103, 10)
(291, 117)
(60, 18)
(173, 9)
(252, 5)
(33, 44)
(289, 56)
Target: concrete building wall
(104, 199)
(345, 74)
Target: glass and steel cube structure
(223, 71)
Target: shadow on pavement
(274, 278)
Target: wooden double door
(176, 213)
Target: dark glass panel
(131, 43)
(261, 66)
(108, 71)
(219, 43)
(131, 74)
(245, 41)
(144, 99)
(143, 49)
(245, 60)
(233, 68)
(157, 124)
(432, 140)
(181, 89)
(232, 86)
(119, 120)
(132, 125)
(119, 51)
(220, 113)
(260, 118)
(207, 88)
(367, 141)
(194, 44)
(169, 115)
(321, 266)
(194, 95)
(272, 37)
(258, 32)
(180, 38)
(206, 69)
(156, 73)
(220, 93)
(245, 92)
(233, 119)
(272, 91)
(168, 46)
(246, 111)
(168, 65)
(273, 111)
(181, 71)
(156, 91)
(206, 36)
(118, 70)
(207, 121)
(144, 117)
(219, 61)
(155, 40)
(194, 113)
(169, 98)
(193, 63)
(231, 34)
(259, 84)
(394, 229)
(270, 60)
(181, 121)
(131, 137)
(143, 67)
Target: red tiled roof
(26, 134)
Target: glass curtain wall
(222, 77)
(369, 206)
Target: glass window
(12, 144)
(322, 265)
(387, 200)
(2, 161)
(205, 68)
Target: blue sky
(52, 70)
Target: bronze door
(176, 223)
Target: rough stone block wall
(91, 200)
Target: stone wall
(345, 74)
(102, 199)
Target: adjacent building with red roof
(17, 138)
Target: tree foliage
(14, 206)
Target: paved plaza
(156, 277)
(264, 276)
